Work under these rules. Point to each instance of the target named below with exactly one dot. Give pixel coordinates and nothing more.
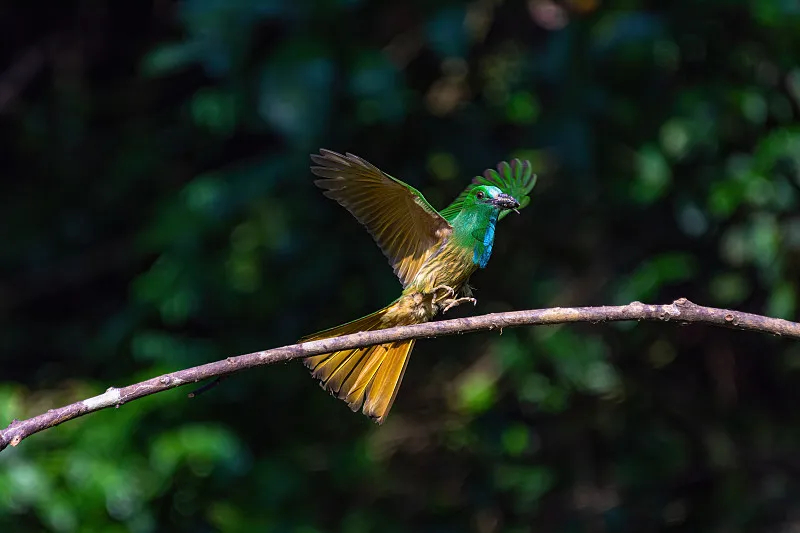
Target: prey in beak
(505, 201)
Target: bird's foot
(449, 293)
(453, 302)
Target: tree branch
(681, 311)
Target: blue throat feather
(483, 248)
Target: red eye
(479, 195)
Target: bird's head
(489, 196)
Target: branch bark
(681, 311)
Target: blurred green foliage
(159, 213)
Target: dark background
(157, 212)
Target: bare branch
(681, 311)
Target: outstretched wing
(516, 179)
(398, 217)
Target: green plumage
(433, 254)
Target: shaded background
(157, 212)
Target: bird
(433, 253)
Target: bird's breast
(450, 265)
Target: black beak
(505, 201)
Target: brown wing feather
(398, 217)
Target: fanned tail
(366, 378)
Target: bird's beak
(505, 201)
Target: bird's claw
(449, 292)
(449, 304)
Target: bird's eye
(479, 195)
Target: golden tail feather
(366, 378)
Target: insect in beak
(505, 201)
